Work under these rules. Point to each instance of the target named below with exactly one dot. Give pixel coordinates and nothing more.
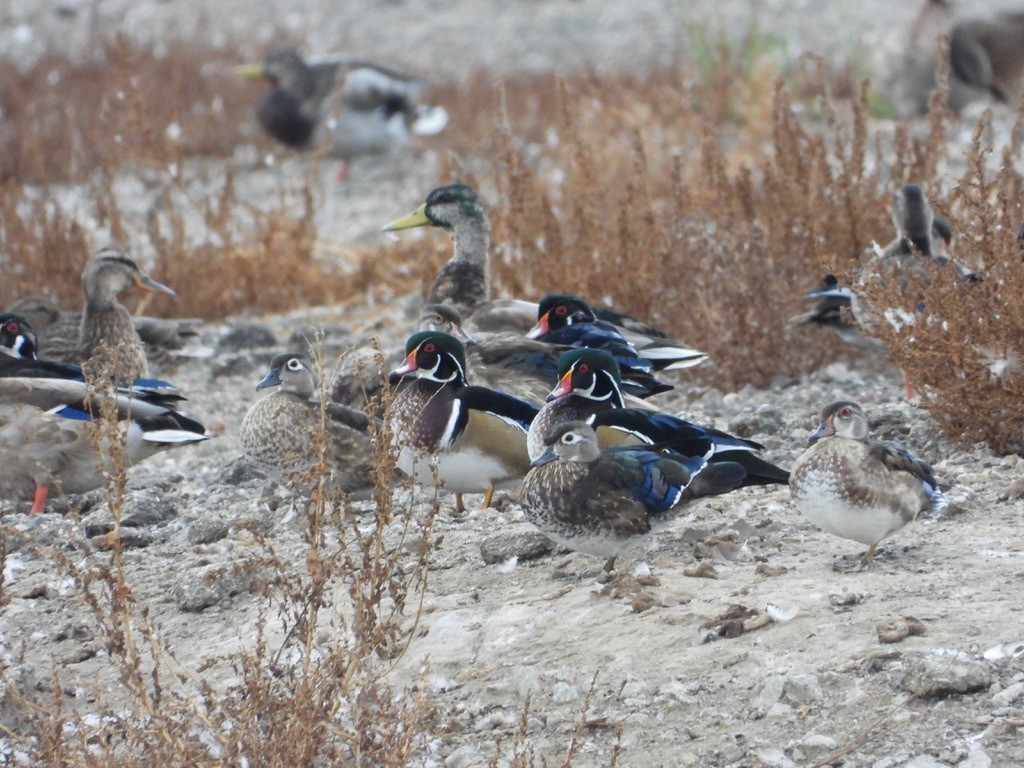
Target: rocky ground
(919, 661)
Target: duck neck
(465, 280)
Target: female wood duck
(599, 501)
(279, 430)
(52, 439)
(108, 337)
(858, 488)
(377, 108)
(475, 436)
(570, 321)
(589, 390)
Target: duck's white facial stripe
(459, 374)
(15, 349)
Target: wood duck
(279, 430)
(527, 367)
(475, 437)
(57, 331)
(18, 345)
(108, 336)
(377, 108)
(600, 500)
(569, 321)
(589, 390)
(858, 488)
(53, 440)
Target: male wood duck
(599, 500)
(527, 367)
(589, 390)
(858, 488)
(475, 436)
(377, 108)
(279, 430)
(570, 321)
(108, 336)
(18, 344)
(53, 440)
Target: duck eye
(429, 348)
(560, 309)
(11, 327)
(584, 368)
(294, 365)
(438, 319)
(844, 413)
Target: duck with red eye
(473, 437)
(858, 488)
(589, 390)
(570, 321)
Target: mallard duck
(278, 431)
(465, 282)
(52, 439)
(377, 107)
(590, 390)
(474, 437)
(599, 501)
(858, 488)
(108, 338)
(57, 331)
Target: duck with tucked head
(858, 488)
(473, 437)
(601, 500)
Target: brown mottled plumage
(108, 337)
(279, 430)
(858, 488)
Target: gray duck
(278, 430)
(600, 500)
(473, 437)
(857, 488)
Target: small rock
(932, 676)
(895, 630)
(464, 757)
(802, 687)
(770, 693)
(241, 471)
(925, 761)
(976, 759)
(562, 693)
(1013, 491)
(817, 743)
(528, 545)
(209, 586)
(248, 336)
(207, 530)
(1008, 695)
(766, 419)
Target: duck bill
(545, 458)
(563, 388)
(270, 380)
(417, 218)
(147, 283)
(825, 429)
(251, 71)
(407, 367)
(461, 335)
(540, 328)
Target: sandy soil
(790, 693)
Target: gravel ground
(499, 629)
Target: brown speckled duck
(278, 431)
(108, 335)
(474, 437)
(859, 488)
(600, 501)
